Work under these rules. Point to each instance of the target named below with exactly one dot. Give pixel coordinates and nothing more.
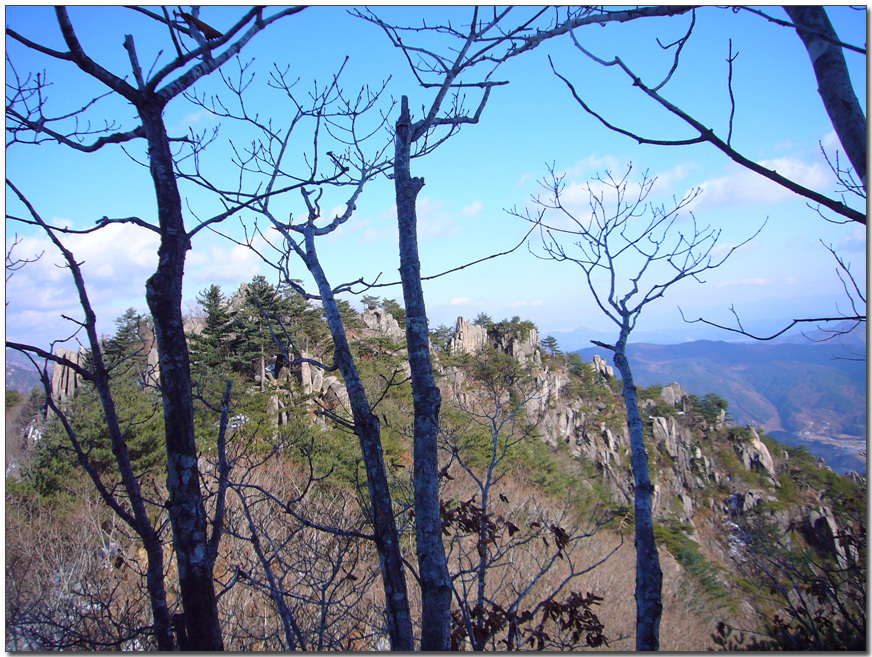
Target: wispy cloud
(743, 282)
(115, 263)
(460, 301)
(856, 241)
(224, 264)
(195, 120)
(434, 221)
(472, 209)
(743, 187)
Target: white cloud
(195, 120)
(434, 221)
(831, 143)
(666, 180)
(594, 164)
(224, 264)
(114, 255)
(746, 282)
(856, 241)
(115, 263)
(460, 301)
(744, 187)
(472, 209)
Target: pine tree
(129, 339)
(211, 347)
(258, 323)
(549, 343)
(396, 311)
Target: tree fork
(164, 296)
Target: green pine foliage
(212, 346)
(138, 406)
(492, 421)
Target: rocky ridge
(685, 470)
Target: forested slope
(535, 488)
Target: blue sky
(471, 179)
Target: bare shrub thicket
(74, 579)
(297, 562)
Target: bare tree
(515, 562)
(267, 161)
(834, 85)
(200, 50)
(624, 243)
(98, 375)
(840, 100)
(317, 575)
(471, 58)
(808, 597)
(73, 583)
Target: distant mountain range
(796, 389)
(20, 373)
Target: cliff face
(706, 475)
(468, 337)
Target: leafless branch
(784, 23)
(704, 134)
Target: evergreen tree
(440, 337)
(370, 302)
(350, 317)
(307, 326)
(483, 319)
(550, 345)
(395, 310)
(131, 329)
(211, 348)
(138, 412)
(257, 324)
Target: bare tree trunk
(164, 295)
(100, 378)
(834, 83)
(368, 430)
(432, 565)
(649, 577)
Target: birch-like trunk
(164, 296)
(368, 430)
(649, 577)
(432, 565)
(834, 82)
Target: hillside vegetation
(802, 389)
(762, 545)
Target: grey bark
(649, 577)
(834, 83)
(368, 430)
(432, 564)
(186, 507)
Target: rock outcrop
(522, 349)
(64, 380)
(601, 366)
(383, 323)
(755, 455)
(673, 395)
(468, 337)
